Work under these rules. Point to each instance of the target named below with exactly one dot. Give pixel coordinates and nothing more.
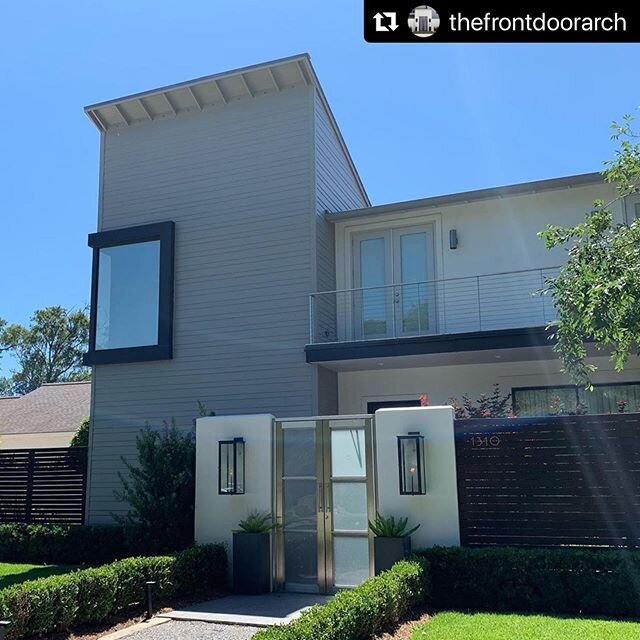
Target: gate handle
(328, 499)
(320, 498)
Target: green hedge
(569, 581)
(57, 603)
(64, 544)
(362, 612)
(67, 544)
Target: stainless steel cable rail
(504, 300)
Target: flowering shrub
(494, 405)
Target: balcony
(491, 302)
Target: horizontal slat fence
(43, 485)
(549, 481)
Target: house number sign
(485, 442)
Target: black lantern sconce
(231, 467)
(413, 478)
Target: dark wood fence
(549, 482)
(43, 485)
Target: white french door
(394, 293)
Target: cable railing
(494, 301)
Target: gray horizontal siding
(336, 186)
(337, 189)
(238, 183)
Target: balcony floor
(461, 348)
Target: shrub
(65, 544)
(257, 522)
(362, 612)
(200, 565)
(81, 436)
(96, 594)
(389, 527)
(160, 488)
(569, 581)
(486, 406)
(47, 605)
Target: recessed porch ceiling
(522, 354)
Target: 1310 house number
(484, 442)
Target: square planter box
(251, 562)
(388, 551)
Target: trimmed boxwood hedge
(362, 612)
(65, 544)
(57, 603)
(567, 581)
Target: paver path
(251, 611)
(188, 630)
(205, 620)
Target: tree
(160, 488)
(48, 350)
(597, 292)
(81, 436)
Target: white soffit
(204, 93)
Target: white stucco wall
(437, 511)
(217, 516)
(357, 388)
(494, 235)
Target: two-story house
(238, 262)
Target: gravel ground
(186, 630)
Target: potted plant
(392, 541)
(252, 553)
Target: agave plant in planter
(252, 553)
(392, 541)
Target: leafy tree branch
(597, 292)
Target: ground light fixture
(231, 467)
(411, 465)
(4, 628)
(149, 584)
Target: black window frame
(163, 350)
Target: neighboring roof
(6, 403)
(54, 407)
(216, 90)
(566, 182)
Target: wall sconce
(231, 467)
(453, 239)
(413, 481)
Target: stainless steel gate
(324, 498)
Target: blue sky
(495, 114)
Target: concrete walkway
(252, 611)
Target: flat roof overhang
(476, 341)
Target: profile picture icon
(424, 21)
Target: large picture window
(566, 399)
(132, 294)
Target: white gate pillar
(217, 516)
(437, 510)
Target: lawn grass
(11, 573)
(493, 626)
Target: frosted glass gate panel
(350, 507)
(300, 514)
